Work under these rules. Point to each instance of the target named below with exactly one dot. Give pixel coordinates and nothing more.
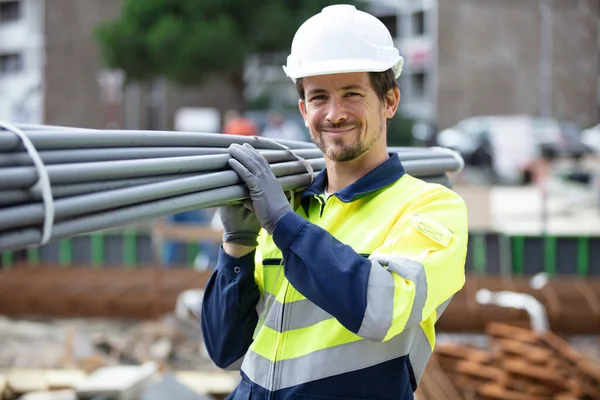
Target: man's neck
(342, 174)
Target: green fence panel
(479, 253)
(33, 255)
(192, 253)
(518, 254)
(97, 248)
(7, 259)
(550, 255)
(129, 248)
(583, 255)
(65, 253)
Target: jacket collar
(383, 175)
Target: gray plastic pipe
(32, 214)
(24, 177)
(149, 210)
(38, 127)
(82, 138)
(50, 157)
(9, 197)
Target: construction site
(115, 130)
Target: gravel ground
(43, 343)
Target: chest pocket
(273, 276)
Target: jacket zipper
(322, 202)
(274, 372)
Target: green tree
(187, 41)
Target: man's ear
(392, 100)
(302, 107)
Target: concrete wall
(72, 91)
(576, 61)
(489, 59)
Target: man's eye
(320, 97)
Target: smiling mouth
(338, 132)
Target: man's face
(344, 115)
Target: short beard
(343, 153)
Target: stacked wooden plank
(436, 384)
(572, 304)
(519, 365)
(52, 291)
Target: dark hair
(381, 82)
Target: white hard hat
(342, 39)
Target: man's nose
(336, 112)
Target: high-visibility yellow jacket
(341, 301)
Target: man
(340, 298)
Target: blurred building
(21, 60)
(499, 57)
(79, 92)
(479, 57)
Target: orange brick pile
(519, 365)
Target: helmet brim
(342, 67)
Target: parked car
(560, 138)
(591, 138)
(518, 139)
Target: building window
(418, 84)
(10, 10)
(390, 22)
(10, 63)
(418, 23)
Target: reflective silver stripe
(442, 307)
(415, 272)
(267, 294)
(380, 304)
(380, 295)
(260, 306)
(302, 314)
(236, 365)
(258, 369)
(333, 361)
(419, 353)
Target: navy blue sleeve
(229, 314)
(326, 271)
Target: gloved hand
(240, 225)
(268, 199)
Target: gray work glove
(268, 199)
(240, 225)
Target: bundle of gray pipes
(59, 182)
